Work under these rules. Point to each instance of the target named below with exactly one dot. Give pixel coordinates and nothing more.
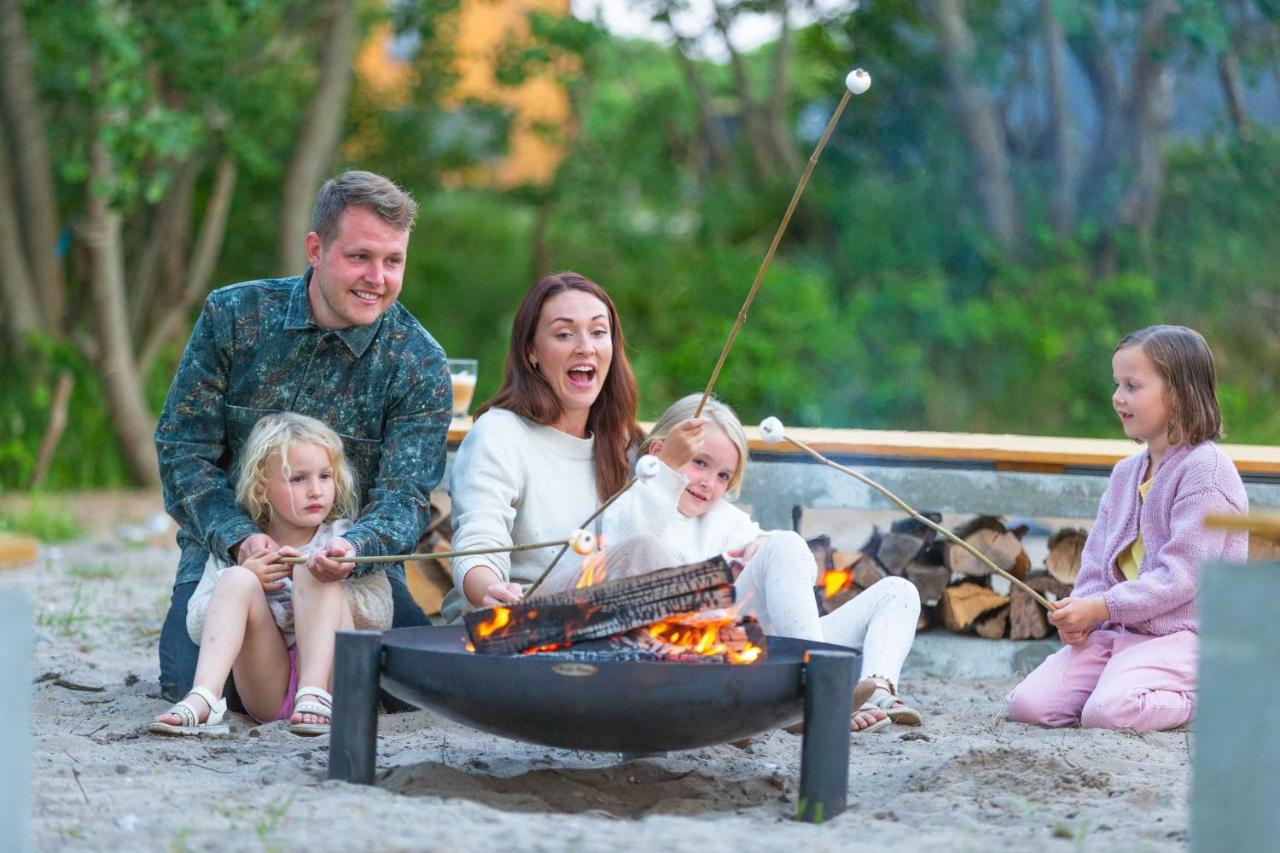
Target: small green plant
(94, 571)
(69, 622)
(46, 522)
(266, 825)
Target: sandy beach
(966, 780)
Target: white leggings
(777, 588)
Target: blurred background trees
(1025, 181)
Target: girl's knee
(237, 579)
(1111, 711)
(1034, 707)
(788, 549)
(901, 593)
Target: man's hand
(682, 443)
(324, 568)
(253, 545)
(1078, 616)
(270, 572)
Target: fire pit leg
(353, 737)
(824, 754)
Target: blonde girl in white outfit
(683, 516)
(271, 624)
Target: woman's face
(572, 348)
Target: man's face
(358, 275)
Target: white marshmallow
(771, 430)
(648, 467)
(858, 81)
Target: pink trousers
(1114, 680)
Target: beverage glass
(462, 375)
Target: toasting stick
(857, 82)
(772, 432)
(582, 542)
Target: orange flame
(835, 580)
(592, 571)
(501, 616)
(699, 633)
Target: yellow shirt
(1131, 558)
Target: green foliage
(46, 520)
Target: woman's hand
(324, 568)
(744, 554)
(1076, 617)
(253, 545)
(502, 594)
(269, 571)
(682, 443)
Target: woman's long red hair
(612, 419)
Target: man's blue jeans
(178, 654)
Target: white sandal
(322, 706)
(884, 700)
(191, 724)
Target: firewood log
(964, 603)
(1027, 619)
(823, 553)
(930, 581)
(1262, 548)
(867, 570)
(925, 619)
(989, 536)
(897, 550)
(993, 625)
(1065, 546)
(601, 610)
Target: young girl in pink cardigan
(1130, 625)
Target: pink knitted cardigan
(1191, 482)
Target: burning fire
(699, 633)
(501, 616)
(592, 571)
(835, 580)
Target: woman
(548, 447)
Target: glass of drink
(462, 375)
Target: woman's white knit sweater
(514, 482)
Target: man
(332, 343)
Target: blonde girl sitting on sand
(268, 626)
(683, 516)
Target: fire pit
(606, 705)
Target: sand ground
(966, 780)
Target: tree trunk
(133, 423)
(167, 232)
(713, 136)
(318, 138)
(17, 286)
(1062, 208)
(993, 175)
(36, 199)
(200, 269)
(783, 141)
(1229, 78)
(1151, 98)
(762, 153)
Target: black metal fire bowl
(605, 706)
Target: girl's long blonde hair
(720, 415)
(276, 434)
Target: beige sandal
(191, 724)
(884, 699)
(321, 706)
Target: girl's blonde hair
(276, 433)
(720, 415)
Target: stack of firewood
(957, 590)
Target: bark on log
(964, 603)
(1065, 547)
(866, 571)
(1027, 619)
(601, 610)
(930, 581)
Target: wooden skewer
(928, 522)
(400, 558)
(625, 486)
(773, 247)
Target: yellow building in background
(484, 28)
